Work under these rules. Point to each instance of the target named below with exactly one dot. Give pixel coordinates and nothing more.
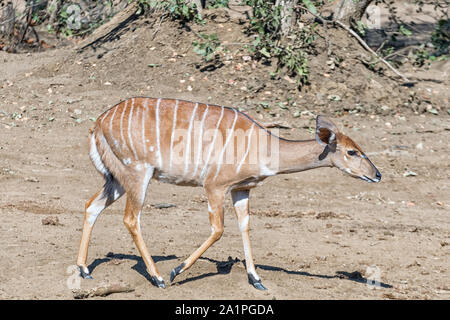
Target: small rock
(409, 174)
(163, 205)
(52, 221)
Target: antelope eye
(352, 152)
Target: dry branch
(364, 44)
(361, 41)
(110, 27)
(102, 291)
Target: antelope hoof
(84, 274)
(159, 283)
(176, 271)
(256, 283)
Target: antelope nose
(378, 175)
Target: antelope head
(344, 153)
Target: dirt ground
(315, 235)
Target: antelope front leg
(215, 209)
(132, 222)
(240, 203)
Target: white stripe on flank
(200, 142)
(129, 129)
(187, 157)
(173, 132)
(226, 143)
(158, 144)
(111, 129)
(105, 116)
(202, 174)
(144, 111)
(248, 148)
(121, 124)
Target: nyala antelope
(219, 148)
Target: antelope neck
(296, 156)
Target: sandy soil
(315, 235)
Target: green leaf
(405, 31)
(264, 52)
(282, 106)
(310, 6)
(265, 105)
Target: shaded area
(139, 266)
(224, 267)
(420, 33)
(352, 276)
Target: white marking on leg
(200, 142)
(230, 135)
(126, 161)
(243, 224)
(143, 127)
(248, 148)
(212, 145)
(187, 157)
(158, 144)
(129, 130)
(251, 269)
(149, 170)
(139, 220)
(95, 209)
(173, 132)
(121, 124)
(116, 143)
(209, 207)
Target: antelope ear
(325, 131)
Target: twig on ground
(381, 46)
(161, 18)
(102, 291)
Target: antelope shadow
(224, 267)
(139, 266)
